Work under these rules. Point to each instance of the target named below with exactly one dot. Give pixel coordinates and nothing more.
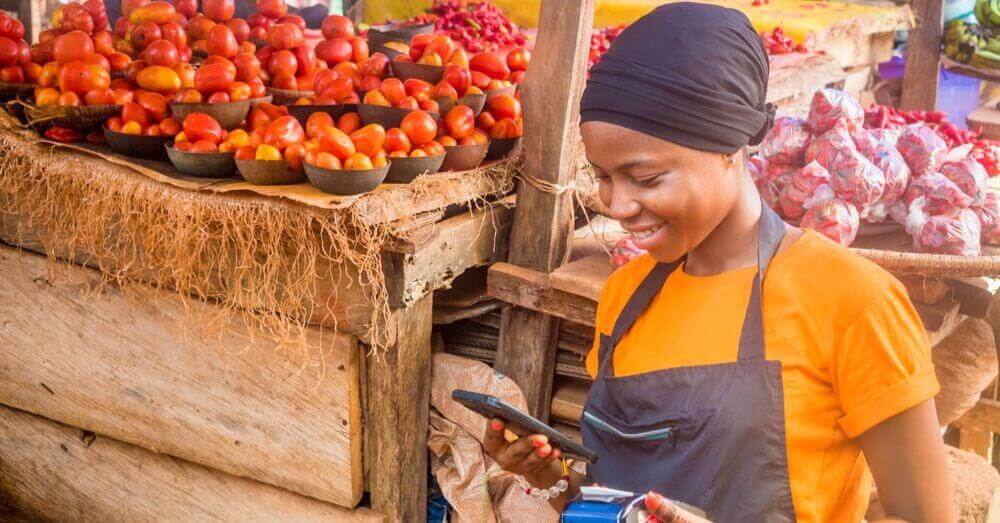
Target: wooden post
(923, 56)
(396, 413)
(543, 220)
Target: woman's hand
(530, 456)
(666, 512)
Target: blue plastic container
(957, 95)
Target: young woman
(744, 366)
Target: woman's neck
(733, 244)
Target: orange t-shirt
(853, 352)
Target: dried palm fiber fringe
(261, 258)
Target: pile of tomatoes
(501, 118)
(476, 26)
(413, 94)
(203, 134)
(148, 115)
(777, 42)
(269, 13)
(600, 42)
(15, 54)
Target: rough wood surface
(568, 397)
(923, 59)
(584, 277)
(457, 243)
(794, 76)
(965, 363)
(975, 295)
(543, 222)
(976, 484)
(396, 411)
(923, 289)
(60, 473)
(139, 371)
(985, 415)
(986, 118)
(531, 289)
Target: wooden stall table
(275, 339)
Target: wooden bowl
(406, 70)
(9, 91)
(387, 117)
(202, 165)
(511, 90)
(288, 96)
(391, 54)
(464, 157)
(229, 115)
(502, 147)
(137, 146)
(476, 102)
(385, 33)
(81, 118)
(266, 99)
(346, 182)
(269, 172)
(404, 170)
(303, 112)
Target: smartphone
(521, 423)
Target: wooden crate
(53, 471)
(135, 370)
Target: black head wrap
(692, 74)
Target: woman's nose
(623, 204)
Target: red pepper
(63, 134)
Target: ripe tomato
(491, 65)
(518, 59)
(188, 95)
(419, 127)
(219, 10)
(326, 160)
(380, 159)
(485, 121)
(418, 89)
(246, 153)
(170, 127)
(200, 126)
(240, 28)
(103, 43)
(431, 59)
(75, 77)
(447, 141)
(152, 130)
(222, 42)
(376, 98)
(268, 153)
(417, 153)
(284, 36)
(123, 96)
(336, 142)
(31, 72)
(445, 90)
(240, 91)
(159, 79)
(158, 12)
(13, 74)
(198, 27)
(114, 123)
(369, 139)
(504, 106)
(294, 154)
(349, 70)
(338, 89)
(460, 121)
(417, 45)
(409, 102)
(394, 90)
(359, 50)
(257, 89)
(433, 148)
(187, 8)
(459, 58)
(397, 141)
(119, 62)
(316, 122)
(517, 77)
(283, 62)
(376, 65)
(334, 51)
(294, 20)
(480, 80)
(358, 162)
(161, 52)
(49, 76)
(73, 46)
(272, 8)
(214, 77)
(349, 122)
(336, 26)
(441, 45)
(144, 34)
(370, 83)
(133, 112)
(203, 146)
(285, 81)
(430, 106)
(219, 97)
(283, 132)
(459, 78)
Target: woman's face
(670, 197)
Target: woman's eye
(648, 181)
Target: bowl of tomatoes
(356, 175)
(229, 114)
(269, 172)
(194, 159)
(303, 112)
(142, 128)
(405, 70)
(137, 145)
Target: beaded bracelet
(548, 493)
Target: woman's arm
(908, 461)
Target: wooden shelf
(990, 75)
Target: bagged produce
(756, 165)
(800, 189)
(827, 147)
(968, 174)
(922, 148)
(855, 180)
(776, 177)
(988, 211)
(897, 176)
(834, 218)
(865, 142)
(890, 136)
(624, 251)
(831, 106)
(956, 233)
(935, 194)
(787, 141)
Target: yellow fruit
(181, 137)
(159, 79)
(132, 127)
(239, 138)
(267, 152)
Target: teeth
(645, 234)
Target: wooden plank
(56, 472)
(985, 416)
(568, 398)
(986, 118)
(396, 411)
(458, 243)
(543, 222)
(923, 58)
(936, 315)
(135, 367)
(531, 290)
(975, 295)
(793, 76)
(923, 289)
(584, 277)
(447, 315)
(976, 441)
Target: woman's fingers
(540, 457)
(494, 441)
(667, 512)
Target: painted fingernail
(496, 425)
(539, 441)
(544, 451)
(653, 501)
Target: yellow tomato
(181, 137)
(132, 127)
(159, 79)
(238, 138)
(267, 152)
(46, 96)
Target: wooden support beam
(985, 416)
(531, 290)
(543, 221)
(923, 56)
(396, 413)
(54, 472)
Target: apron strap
(772, 231)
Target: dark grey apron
(710, 435)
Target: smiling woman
(772, 356)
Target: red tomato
(480, 80)
(430, 106)
(161, 52)
(517, 77)
(155, 104)
(284, 36)
(240, 28)
(349, 122)
(73, 46)
(294, 154)
(305, 57)
(203, 146)
(69, 99)
(376, 65)
(336, 142)
(369, 139)
(247, 67)
(504, 106)
(219, 97)
(214, 77)
(417, 45)
(316, 122)
(283, 62)
(99, 97)
(393, 90)
(13, 74)
(285, 81)
(458, 77)
(9, 52)
(359, 50)
(460, 121)
(119, 62)
(198, 27)
(272, 8)
(187, 8)
(418, 89)
(419, 127)
(133, 112)
(222, 42)
(336, 26)
(504, 129)
(370, 83)
(247, 152)
(200, 126)
(491, 65)
(188, 95)
(334, 51)
(408, 102)
(103, 43)
(284, 132)
(257, 89)
(294, 20)
(75, 77)
(518, 59)
(485, 121)
(445, 90)
(170, 127)
(219, 10)
(240, 91)
(115, 124)
(442, 45)
(397, 141)
(144, 34)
